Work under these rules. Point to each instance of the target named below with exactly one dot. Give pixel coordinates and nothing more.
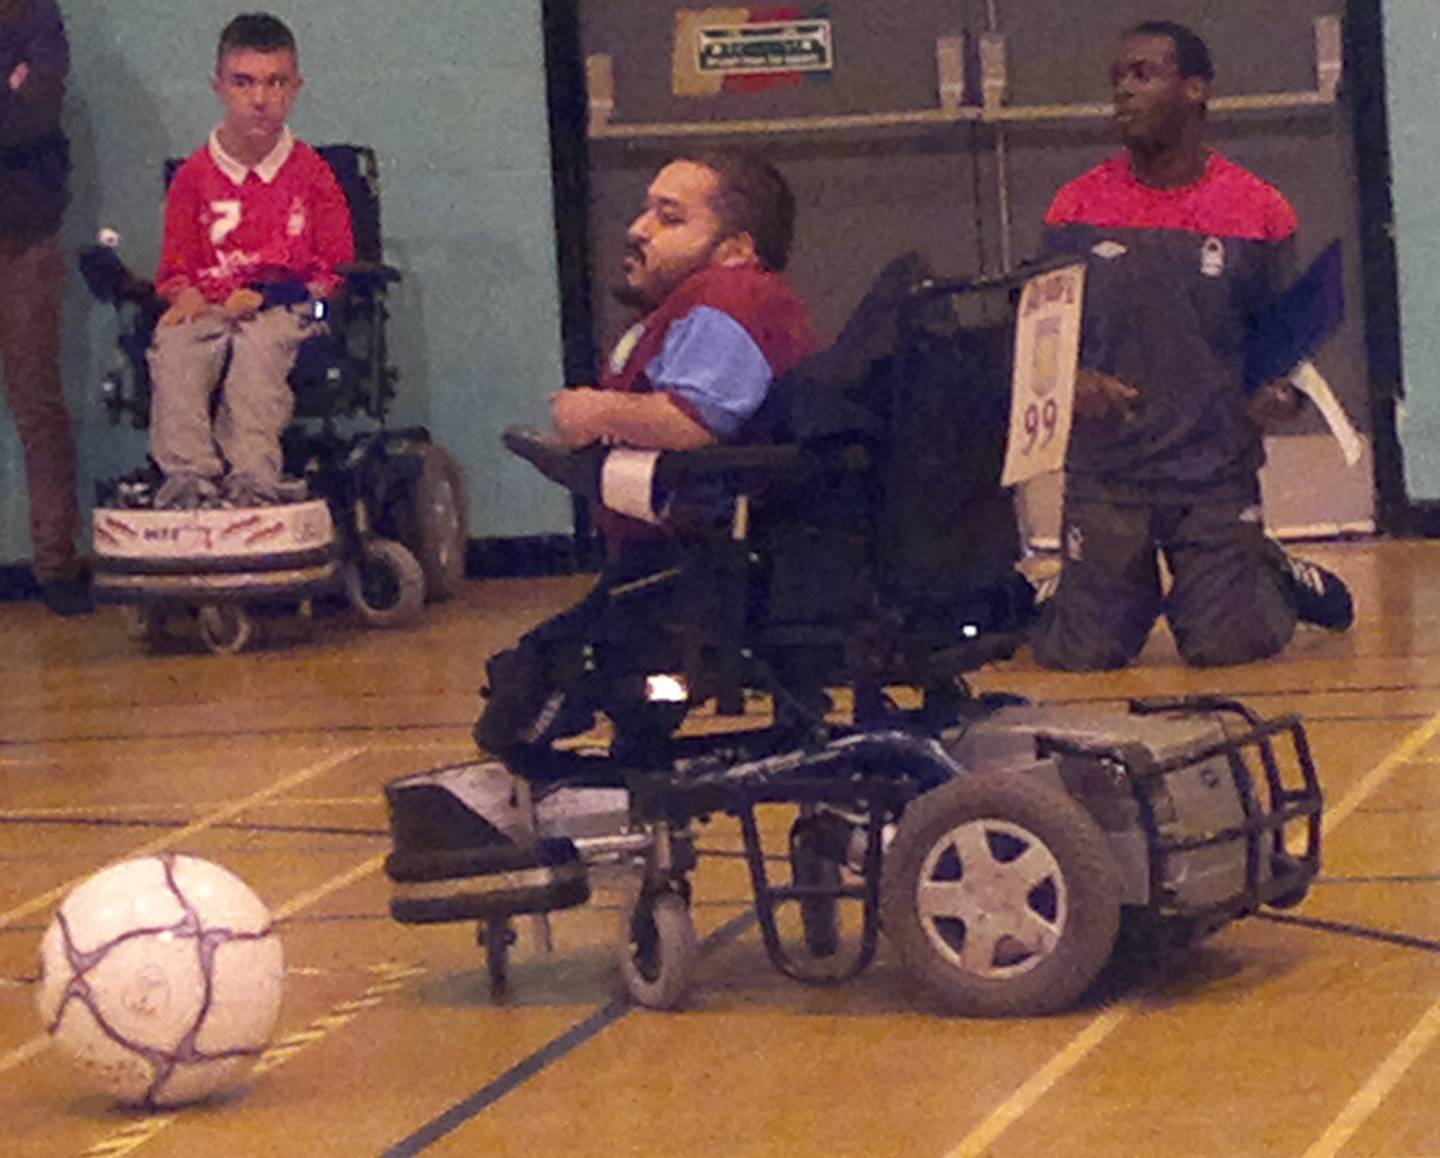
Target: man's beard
(631, 297)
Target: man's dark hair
(255, 32)
(1191, 53)
(752, 197)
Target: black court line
(43, 821)
(1345, 929)
(233, 734)
(546, 1056)
(1397, 879)
(445, 726)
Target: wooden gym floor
(1311, 1033)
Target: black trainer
(67, 597)
(466, 848)
(1320, 596)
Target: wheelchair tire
(1001, 896)
(496, 936)
(433, 523)
(386, 584)
(145, 624)
(658, 948)
(226, 628)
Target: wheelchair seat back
(907, 412)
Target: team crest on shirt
(625, 347)
(1212, 257)
(1109, 250)
(295, 226)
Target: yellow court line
(1359, 1109)
(1404, 754)
(333, 885)
(219, 816)
(109, 810)
(1005, 1115)
(977, 1143)
(1385, 1078)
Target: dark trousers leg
(30, 288)
(1227, 603)
(1109, 591)
(556, 670)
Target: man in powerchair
(718, 323)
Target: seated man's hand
(1275, 403)
(186, 306)
(18, 76)
(243, 303)
(579, 415)
(1097, 394)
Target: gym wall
(868, 194)
(451, 94)
(1412, 34)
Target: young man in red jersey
(1184, 249)
(255, 228)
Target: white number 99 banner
(1042, 394)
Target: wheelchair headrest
(821, 396)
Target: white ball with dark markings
(161, 979)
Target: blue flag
(1297, 323)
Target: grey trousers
(255, 399)
(1227, 602)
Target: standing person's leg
(1109, 590)
(185, 362)
(30, 292)
(256, 402)
(1228, 603)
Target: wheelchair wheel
(226, 628)
(495, 937)
(433, 522)
(1001, 896)
(810, 868)
(144, 624)
(386, 584)
(657, 949)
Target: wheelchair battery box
(1169, 790)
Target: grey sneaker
(292, 490)
(185, 492)
(244, 490)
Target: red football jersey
(226, 226)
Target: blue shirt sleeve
(711, 361)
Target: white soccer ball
(161, 979)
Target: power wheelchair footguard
(374, 514)
(1000, 846)
(999, 857)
